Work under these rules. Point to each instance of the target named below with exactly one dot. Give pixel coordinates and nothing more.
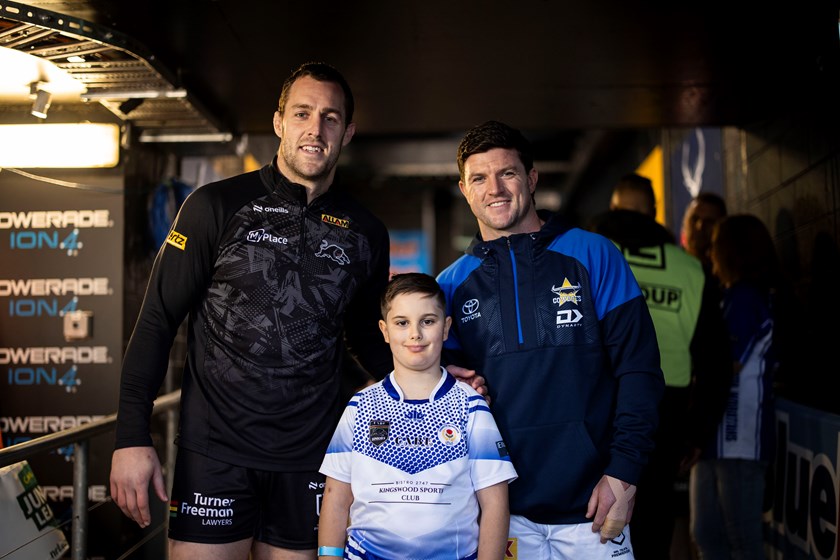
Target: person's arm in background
(711, 374)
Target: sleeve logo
(177, 240)
(335, 221)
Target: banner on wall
(61, 301)
(409, 252)
(803, 521)
(696, 165)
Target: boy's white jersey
(414, 468)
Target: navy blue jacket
(556, 323)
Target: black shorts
(216, 503)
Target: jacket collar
(278, 184)
(554, 225)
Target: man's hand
(470, 377)
(612, 505)
(132, 470)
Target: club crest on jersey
(566, 293)
(333, 252)
(378, 431)
(177, 240)
(449, 434)
(335, 221)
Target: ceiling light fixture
(59, 145)
(42, 98)
(134, 94)
(149, 137)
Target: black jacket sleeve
(711, 369)
(179, 278)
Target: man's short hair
(636, 185)
(323, 73)
(411, 283)
(494, 134)
(713, 199)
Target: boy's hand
(470, 377)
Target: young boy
(416, 454)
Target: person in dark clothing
(272, 268)
(552, 317)
(694, 355)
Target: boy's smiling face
(415, 328)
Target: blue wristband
(330, 551)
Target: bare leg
(180, 550)
(263, 551)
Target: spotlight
(42, 98)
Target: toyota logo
(470, 307)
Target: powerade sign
(806, 484)
(48, 297)
(47, 229)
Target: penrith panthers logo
(333, 252)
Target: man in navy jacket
(554, 320)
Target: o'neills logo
(335, 221)
(213, 511)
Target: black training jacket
(270, 284)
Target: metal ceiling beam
(115, 68)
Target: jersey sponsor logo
(213, 511)
(413, 441)
(378, 431)
(568, 318)
(501, 448)
(260, 235)
(666, 298)
(270, 209)
(470, 310)
(333, 252)
(177, 240)
(449, 434)
(566, 293)
(511, 550)
(622, 548)
(414, 415)
(335, 221)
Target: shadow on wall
(812, 334)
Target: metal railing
(79, 436)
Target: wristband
(330, 551)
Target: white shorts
(533, 541)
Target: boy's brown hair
(411, 283)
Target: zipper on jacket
(515, 293)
